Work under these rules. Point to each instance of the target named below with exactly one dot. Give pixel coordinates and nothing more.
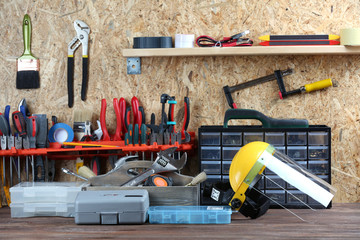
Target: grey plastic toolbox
(310, 147)
(112, 207)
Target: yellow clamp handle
(318, 85)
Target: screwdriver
(20, 126)
(4, 128)
(31, 132)
(143, 138)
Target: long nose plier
(82, 37)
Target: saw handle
(267, 122)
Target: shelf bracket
(133, 65)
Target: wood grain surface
(340, 222)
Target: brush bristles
(27, 79)
(28, 76)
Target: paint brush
(28, 66)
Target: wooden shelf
(241, 51)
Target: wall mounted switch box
(112, 207)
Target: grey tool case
(112, 207)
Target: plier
(82, 37)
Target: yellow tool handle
(79, 164)
(87, 144)
(318, 85)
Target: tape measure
(158, 181)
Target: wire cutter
(82, 37)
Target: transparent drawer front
(297, 152)
(226, 167)
(275, 138)
(296, 138)
(280, 149)
(229, 152)
(318, 138)
(252, 137)
(209, 138)
(225, 178)
(276, 195)
(210, 153)
(211, 179)
(231, 139)
(319, 167)
(296, 197)
(260, 184)
(318, 152)
(211, 167)
(274, 182)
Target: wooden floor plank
(340, 222)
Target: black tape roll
(152, 42)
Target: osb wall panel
(114, 24)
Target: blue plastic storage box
(190, 214)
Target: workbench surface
(342, 221)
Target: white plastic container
(21, 210)
(184, 40)
(45, 192)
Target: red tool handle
(122, 104)
(186, 116)
(33, 126)
(135, 109)
(105, 136)
(19, 122)
(117, 136)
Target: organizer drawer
(210, 138)
(229, 153)
(318, 138)
(297, 152)
(275, 138)
(231, 138)
(211, 167)
(296, 138)
(252, 137)
(318, 152)
(210, 153)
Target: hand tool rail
(58, 151)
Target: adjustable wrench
(163, 163)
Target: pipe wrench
(82, 37)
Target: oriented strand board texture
(114, 24)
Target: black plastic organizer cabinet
(310, 147)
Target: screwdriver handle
(143, 134)
(19, 123)
(3, 126)
(7, 117)
(136, 134)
